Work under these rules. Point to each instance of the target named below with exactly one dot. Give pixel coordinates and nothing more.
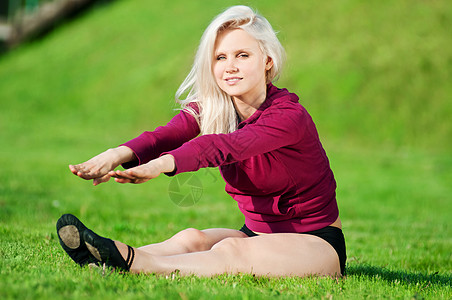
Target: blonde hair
(216, 109)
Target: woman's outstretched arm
(97, 168)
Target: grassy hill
(375, 76)
(369, 72)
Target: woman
(268, 151)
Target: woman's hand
(145, 172)
(98, 167)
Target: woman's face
(240, 66)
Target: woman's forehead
(235, 39)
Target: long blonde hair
(216, 109)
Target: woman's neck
(246, 108)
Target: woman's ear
(269, 63)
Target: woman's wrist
(120, 155)
(167, 163)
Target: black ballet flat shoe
(70, 233)
(106, 251)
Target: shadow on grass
(400, 276)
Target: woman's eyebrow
(234, 51)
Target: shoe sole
(70, 234)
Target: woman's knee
(231, 246)
(192, 240)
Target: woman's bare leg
(191, 240)
(283, 254)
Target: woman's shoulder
(281, 98)
(285, 107)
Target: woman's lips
(232, 80)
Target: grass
(374, 75)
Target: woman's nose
(231, 67)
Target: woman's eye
(220, 57)
(244, 55)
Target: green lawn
(375, 76)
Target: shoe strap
(130, 257)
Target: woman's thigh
(192, 240)
(281, 254)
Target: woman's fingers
(89, 171)
(122, 177)
(99, 180)
(135, 175)
(123, 174)
(86, 171)
(73, 169)
(79, 171)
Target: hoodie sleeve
(151, 144)
(278, 126)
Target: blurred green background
(371, 73)
(375, 76)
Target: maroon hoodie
(274, 165)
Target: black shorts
(332, 235)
